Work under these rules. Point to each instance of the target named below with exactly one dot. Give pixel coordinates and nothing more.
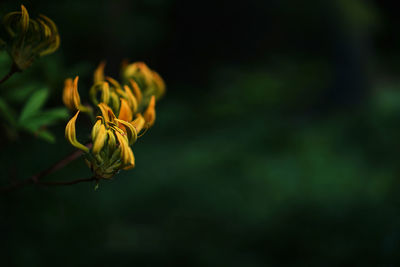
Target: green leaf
(35, 102)
(7, 113)
(44, 118)
(46, 135)
(60, 113)
(21, 94)
(43, 134)
(36, 123)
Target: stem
(77, 181)
(58, 165)
(35, 179)
(16, 185)
(14, 69)
(55, 183)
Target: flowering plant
(123, 113)
(120, 111)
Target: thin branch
(58, 165)
(22, 183)
(77, 181)
(14, 69)
(35, 179)
(15, 185)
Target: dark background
(277, 143)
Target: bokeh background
(277, 143)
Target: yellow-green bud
(29, 39)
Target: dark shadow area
(276, 143)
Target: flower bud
(29, 39)
(149, 81)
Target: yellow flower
(149, 81)
(111, 150)
(98, 75)
(111, 144)
(29, 38)
(111, 93)
(139, 122)
(70, 134)
(111, 139)
(111, 122)
(138, 71)
(136, 90)
(124, 111)
(71, 97)
(159, 85)
(150, 113)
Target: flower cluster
(29, 38)
(124, 112)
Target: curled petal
(139, 122)
(114, 100)
(49, 23)
(99, 141)
(51, 40)
(68, 84)
(160, 85)
(136, 90)
(46, 31)
(107, 113)
(127, 157)
(104, 89)
(132, 162)
(98, 75)
(125, 112)
(105, 93)
(138, 71)
(114, 83)
(96, 128)
(8, 21)
(112, 141)
(29, 38)
(150, 113)
(24, 21)
(71, 97)
(52, 46)
(17, 22)
(104, 111)
(131, 98)
(130, 130)
(70, 134)
(75, 95)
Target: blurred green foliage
(23, 100)
(275, 145)
(31, 118)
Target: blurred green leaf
(44, 118)
(34, 104)
(20, 94)
(46, 135)
(36, 123)
(56, 113)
